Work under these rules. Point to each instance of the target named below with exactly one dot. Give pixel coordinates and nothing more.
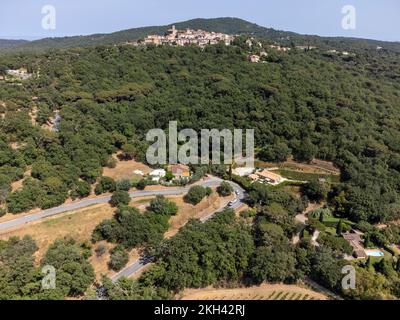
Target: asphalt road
(142, 262)
(17, 222)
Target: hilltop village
(189, 37)
(202, 38)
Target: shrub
(250, 213)
(100, 250)
(118, 259)
(120, 197)
(195, 195)
(315, 191)
(111, 163)
(106, 184)
(82, 189)
(225, 189)
(124, 185)
(141, 185)
(162, 206)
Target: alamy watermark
(349, 280)
(49, 17)
(49, 279)
(190, 147)
(349, 21)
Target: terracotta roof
(269, 175)
(360, 253)
(179, 169)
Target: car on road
(233, 202)
(237, 192)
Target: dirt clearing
(125, 170)
(315, 166)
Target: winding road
(17, 222)
(138, 265)
(142, 262)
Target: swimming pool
(375, 253)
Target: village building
(139, 172)
(21, 73)
(267, 176)
(306, 48)
(189, 37)
(279, 48)
(356, 242)
(254, 177)
(254, 58)
(157, 175)
(179, 171)
(249, 42)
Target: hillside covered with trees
(302, 103)
(310, 104)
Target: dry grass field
(315, 166)
(125, 169)
(263, 292)
(75, 224)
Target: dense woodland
(309, 104)
(301, 103)
(21, 277)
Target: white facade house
(138, 172)
(156, 175)
(244, 171)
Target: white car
(233, 202)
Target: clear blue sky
(376, 19)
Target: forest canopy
(308, 104)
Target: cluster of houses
(343, 53)
(20, 74)
(256, 58)
(264, 176)
(179, 172)
(189, 37)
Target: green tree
(315, 191)
(339, 228)
(141, 185)
(162, 206)
(195, 195)
(272, 265)
(277, 152)
(225, 189)
(123, 185)
(118, 258)
(106, 184)
(82, 189)
(74, 272)
(129, 151)
(120, 198)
